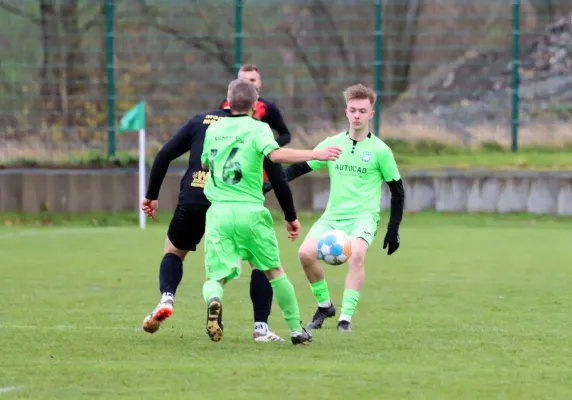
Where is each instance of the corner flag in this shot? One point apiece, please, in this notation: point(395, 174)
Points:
point(134, 120)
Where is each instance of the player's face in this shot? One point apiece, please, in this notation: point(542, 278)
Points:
point(359, 112)
point(251, 76)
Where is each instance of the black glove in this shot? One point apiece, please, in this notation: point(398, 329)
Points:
point(266, 187)
point(391, 241)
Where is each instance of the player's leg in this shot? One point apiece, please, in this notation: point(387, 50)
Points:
point(314, 271)
point(362, 235)
point(222, 264)
point(261, 296)
point(185, 232)
point(257, 239)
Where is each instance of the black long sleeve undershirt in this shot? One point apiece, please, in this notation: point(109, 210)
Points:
point(277, 179)
point(173, 149)
point(397, 203)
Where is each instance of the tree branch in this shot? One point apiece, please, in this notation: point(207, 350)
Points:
point(214, 47)
point(17, 11)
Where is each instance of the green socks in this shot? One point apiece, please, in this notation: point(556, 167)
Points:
point(286, 298)
point(321, 293)
point(212, 289)
point(349, 304)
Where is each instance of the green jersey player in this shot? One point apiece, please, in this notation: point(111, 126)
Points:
point(354, 204)
point(238, 226)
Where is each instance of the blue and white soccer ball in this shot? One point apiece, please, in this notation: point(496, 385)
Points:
point(334, 247)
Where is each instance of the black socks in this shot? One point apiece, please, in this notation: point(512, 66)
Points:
point(170, 273)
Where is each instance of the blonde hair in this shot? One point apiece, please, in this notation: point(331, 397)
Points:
point(360, 92)
point(241, 95)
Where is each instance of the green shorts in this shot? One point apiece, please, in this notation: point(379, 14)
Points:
point(364, 227)
point(237, 232)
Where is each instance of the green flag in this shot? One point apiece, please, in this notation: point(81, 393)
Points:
point(134, 119)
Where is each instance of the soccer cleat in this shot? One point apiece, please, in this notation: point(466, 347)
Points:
point(153, 321)
point(320, 316)
point(301, 337)
point(214, 319)
point(269, 336)
point(344, 326)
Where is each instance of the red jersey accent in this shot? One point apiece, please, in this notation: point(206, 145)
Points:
point(259, 112)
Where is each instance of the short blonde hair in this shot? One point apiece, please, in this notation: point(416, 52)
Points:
point(360, 92)
point(241, 95)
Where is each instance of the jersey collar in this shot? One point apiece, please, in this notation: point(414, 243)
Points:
point(368, 134)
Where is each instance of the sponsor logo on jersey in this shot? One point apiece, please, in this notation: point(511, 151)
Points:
point(211, 119)
point(350, 168)
point(199, 179)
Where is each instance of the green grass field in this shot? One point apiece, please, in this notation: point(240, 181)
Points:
point(470, 307)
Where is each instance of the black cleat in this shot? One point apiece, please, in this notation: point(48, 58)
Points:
point(320, 316)
point(301, 337)
point(344, 326)
point(214, 319)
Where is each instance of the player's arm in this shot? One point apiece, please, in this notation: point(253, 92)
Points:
point(276, 122)
point(391, 176)
point(298, 169)
point(278, 180)
point(316, 158)
point(178, 145)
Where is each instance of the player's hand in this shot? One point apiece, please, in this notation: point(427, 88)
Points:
point(391, 241)
point(149, 207)
point(293, 229)
point(330, 153)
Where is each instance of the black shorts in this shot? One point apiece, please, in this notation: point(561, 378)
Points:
point(187, 226)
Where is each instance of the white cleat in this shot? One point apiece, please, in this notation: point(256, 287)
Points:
point(269, 336)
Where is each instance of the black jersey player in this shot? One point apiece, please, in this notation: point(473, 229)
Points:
point(187, 225)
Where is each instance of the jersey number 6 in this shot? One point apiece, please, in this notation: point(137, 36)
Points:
point(231, 170)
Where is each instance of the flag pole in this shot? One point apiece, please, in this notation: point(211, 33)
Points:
point(142, 134)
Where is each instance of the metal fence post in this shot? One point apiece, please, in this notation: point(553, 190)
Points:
point(237, 36)
point(377, 64)
point(110, 77)
point(515, 119)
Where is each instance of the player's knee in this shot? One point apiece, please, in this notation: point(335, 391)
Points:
point(171, 249)
point(359, 249)
point(307, 254)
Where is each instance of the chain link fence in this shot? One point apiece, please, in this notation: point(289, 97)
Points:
point(454, 71)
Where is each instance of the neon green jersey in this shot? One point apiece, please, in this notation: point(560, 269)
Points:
point(234, 149)
point(357, 175)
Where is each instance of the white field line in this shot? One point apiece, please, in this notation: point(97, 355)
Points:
point(8, 389)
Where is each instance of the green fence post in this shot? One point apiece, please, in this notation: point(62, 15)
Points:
point(237, 36)
point(377, 64)
point(110, 77)
point(515, 119)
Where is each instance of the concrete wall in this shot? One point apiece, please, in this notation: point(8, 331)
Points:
point(116, 190)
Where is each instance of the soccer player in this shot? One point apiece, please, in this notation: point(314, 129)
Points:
point(238, 226)
point(264, 111)
point(260, 290)
point(188, 222)
point(353, 206)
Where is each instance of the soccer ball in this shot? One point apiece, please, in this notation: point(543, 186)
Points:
point(334, 247)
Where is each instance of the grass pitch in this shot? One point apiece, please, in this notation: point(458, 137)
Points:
point(470, 307)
